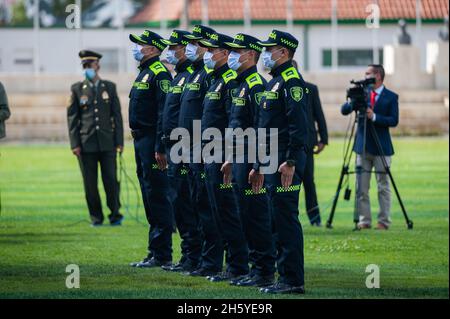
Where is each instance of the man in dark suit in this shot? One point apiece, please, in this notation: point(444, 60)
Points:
point(382, 113)
point(96, 135)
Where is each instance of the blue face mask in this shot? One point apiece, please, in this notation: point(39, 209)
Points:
point(233, 60)
point(137, 54)
point(267, 59)
point(191, 52)
point(90, 74)
point(209, 62)
point(171, 57)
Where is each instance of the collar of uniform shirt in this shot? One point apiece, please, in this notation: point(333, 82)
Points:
point(379, 90)
point(241, 77)
point(182, 66)
point(224, 68)
point(277, 71)
point(147, 63)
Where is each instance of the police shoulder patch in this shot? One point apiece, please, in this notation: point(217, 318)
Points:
point(253, 79)
point(296, 93)
point(164, 85)
point(290, 73)
point(157, 67)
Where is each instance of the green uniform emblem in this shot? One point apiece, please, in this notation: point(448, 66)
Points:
point(164, 85)
point(296, 93)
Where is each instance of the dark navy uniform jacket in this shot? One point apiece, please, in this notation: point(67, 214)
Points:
point(147, 98)
point(193, 94)
point(284, 106)
point(386, 115)
point(173, 99)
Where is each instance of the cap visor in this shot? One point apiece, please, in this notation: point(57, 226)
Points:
point(207, 44)
point(167, 42)
point(267, 43)
point(192, 37)
point(235, 45)
point(136, 39)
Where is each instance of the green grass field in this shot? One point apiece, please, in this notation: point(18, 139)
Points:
point(43, 202)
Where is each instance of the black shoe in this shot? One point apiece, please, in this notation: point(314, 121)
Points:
point(256, 281)
point(282, 288)
point(234, 281)
point(225, 276)
point(153, 262)
point(134, 264)
point(117, 220)
point(96, 224)
point(178, 267)
point(202, 272)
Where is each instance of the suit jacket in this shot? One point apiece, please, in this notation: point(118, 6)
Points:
point(386, 110)
point(4, 110)
point(94, 117)
point(315, 116)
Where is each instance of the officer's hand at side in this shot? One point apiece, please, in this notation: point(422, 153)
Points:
point(287, 173)
point(161, 160)
point(369, 113)
point(257, 180)
point(319, 148)
point(119, 148)
point(226, 170)
point(77, 151)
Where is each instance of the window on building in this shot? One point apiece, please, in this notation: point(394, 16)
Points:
point(23, 60)
point(350, 57)
point(110, 60)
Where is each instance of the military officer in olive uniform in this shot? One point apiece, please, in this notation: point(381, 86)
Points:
point(96, 135)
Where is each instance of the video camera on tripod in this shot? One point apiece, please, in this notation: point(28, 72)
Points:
point(358, 94)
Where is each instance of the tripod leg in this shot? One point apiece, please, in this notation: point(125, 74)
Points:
point(344, 171)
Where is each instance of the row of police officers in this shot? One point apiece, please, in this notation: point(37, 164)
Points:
point(224, 210)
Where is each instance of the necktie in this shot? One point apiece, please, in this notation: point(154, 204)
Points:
point(373, 95)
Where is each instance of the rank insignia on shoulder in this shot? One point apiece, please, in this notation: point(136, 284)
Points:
point(145, 78)
point(296, 93)
point(105, 95)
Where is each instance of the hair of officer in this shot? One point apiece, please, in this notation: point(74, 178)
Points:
point(378, 68)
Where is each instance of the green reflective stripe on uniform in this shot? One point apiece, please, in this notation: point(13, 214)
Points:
point(213, 95)
point(190, 69)
point(208, 70)
point(253, 79)
point(157, 67)
point(290, 73)
point(176, 89)
point(238, 101)
point(269, 95)
point(292, 188)
point(250, 192)
point(229, 75)
point(193, 86)
point(225, 186)
point(141, 86)
point(155, 166)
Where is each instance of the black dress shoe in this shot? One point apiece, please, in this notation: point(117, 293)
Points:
point(96, 224)
point(282, 288)
point(116, 219)
point(178, 267)
point(256, 281)
point(134, 264)
point(202, 272)
point(225, 276)
point(153, 262)
point(234, 281)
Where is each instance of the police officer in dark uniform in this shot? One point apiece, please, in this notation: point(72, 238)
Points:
point(284, 106)
point(185, 216)
point(147, 98)
point(224, 225)
point(191, 109)
point(246, 95)
point(96, 135)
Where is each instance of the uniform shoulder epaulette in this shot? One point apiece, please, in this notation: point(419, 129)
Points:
point(157, 67)
point(229, 75)
point(290, 73)
point(190, 69)
point(208, 71)
point(253, 79)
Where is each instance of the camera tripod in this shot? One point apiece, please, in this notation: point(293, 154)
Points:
point(345, 171)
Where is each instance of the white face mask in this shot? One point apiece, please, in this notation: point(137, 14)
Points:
point(208, 59)
point(171, 56)
point(267, 58)
point(191, 52)
point(137, 54)
point(233, 60)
